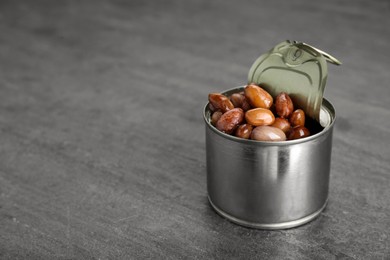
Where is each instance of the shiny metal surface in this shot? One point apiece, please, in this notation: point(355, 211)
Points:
point(269, 185)
point(327, 56)
point(296, 68)
point(270, 226)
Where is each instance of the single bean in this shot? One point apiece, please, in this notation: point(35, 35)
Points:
point(298, 132)
point(259, 116)
point(284, 105)
point(244, 131)
point(215, 117)
point(297, 118)
point(220, 102)
point(230, 120)
point(237, 99)
point(268, 133)
point(258, 97)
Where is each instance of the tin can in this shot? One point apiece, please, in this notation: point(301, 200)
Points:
point(269, 185)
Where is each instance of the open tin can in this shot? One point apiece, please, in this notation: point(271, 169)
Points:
point(269, 185)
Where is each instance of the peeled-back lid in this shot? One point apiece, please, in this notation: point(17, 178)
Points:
point(297, 69)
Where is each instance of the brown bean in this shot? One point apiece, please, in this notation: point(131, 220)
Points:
point(219, 101)
point(283, 105)
point(282, 124)
point(258, 97)
point(215, 117)
point(297, 118)
point(298, 132)
point(244, 131)
point(268, 133)
point(237, 99)
point(259, 116)
point(230, 120)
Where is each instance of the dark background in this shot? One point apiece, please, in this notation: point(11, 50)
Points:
point(102, 145)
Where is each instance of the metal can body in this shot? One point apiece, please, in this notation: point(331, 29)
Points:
point(269, 185)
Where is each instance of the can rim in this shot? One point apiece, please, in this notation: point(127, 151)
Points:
point(326, 106)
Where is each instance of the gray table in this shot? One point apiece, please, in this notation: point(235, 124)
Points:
point(102, 145)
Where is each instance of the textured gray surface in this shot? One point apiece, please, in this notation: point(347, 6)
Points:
point(102, 139)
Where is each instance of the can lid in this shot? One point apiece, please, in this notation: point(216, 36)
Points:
point(296, 68)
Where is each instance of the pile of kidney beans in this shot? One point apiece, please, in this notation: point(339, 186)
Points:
point(254, 114)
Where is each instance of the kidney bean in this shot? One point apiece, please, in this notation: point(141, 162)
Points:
point(258, 97)
point(259, 116)
point(268, 133)
point(220, 101)
point(237, 99)
point(244, 131)
point(230, 120)
point(298, 132)
point(297, 118)
point(215, 117)
point(284, 105)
